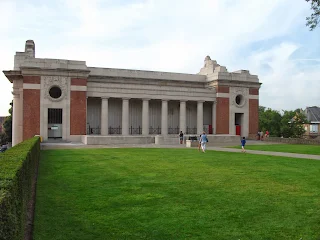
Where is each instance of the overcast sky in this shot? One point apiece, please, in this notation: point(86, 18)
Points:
point(268, 38)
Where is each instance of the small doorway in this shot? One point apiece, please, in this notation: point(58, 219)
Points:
point(238, 122)
point(54, 123)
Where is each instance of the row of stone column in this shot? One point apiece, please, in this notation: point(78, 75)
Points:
point(145, 116)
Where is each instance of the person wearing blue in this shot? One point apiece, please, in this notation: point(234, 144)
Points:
point(203, 140)
point(243, 143)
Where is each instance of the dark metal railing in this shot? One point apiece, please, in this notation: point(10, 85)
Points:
point(156, 130)
point(91, 130)
point(138, 130)
point(115, 130)
point(134, 131)
point(173, 130)
point(191, 130)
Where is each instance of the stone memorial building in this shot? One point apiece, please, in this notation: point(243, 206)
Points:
point(69, 101)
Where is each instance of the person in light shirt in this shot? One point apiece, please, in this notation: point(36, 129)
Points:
point(204, 141)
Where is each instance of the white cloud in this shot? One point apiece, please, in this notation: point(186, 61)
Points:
point(288, 85)
point(167, 36)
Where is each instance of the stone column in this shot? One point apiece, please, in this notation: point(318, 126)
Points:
point(104, 116)
point(183, 118)
point(125, 116)
point(200, 117)
point(16, 111)
point(164, 117)
point(214, 117)
point(145, 116)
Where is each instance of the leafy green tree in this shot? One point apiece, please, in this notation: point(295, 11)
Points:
point(3, 139)
point(313, 20)
point(270, 120)
point(7, 125)
point(292, 124)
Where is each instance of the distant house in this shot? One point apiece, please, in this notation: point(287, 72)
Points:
point(313, 117)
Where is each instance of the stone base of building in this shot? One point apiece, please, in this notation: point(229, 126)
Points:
point(158, 140)
point(223, 138)
point(111, 140)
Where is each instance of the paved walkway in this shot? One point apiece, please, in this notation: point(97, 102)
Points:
point(222, 148)
point(281, 154)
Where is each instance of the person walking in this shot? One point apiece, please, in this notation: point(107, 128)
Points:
point(267, 134)
point(181, 137)
point(243, 143)
point(204, 141)
point(199, 144)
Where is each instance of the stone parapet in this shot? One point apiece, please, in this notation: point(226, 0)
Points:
point(53, 64)
point(128, 73)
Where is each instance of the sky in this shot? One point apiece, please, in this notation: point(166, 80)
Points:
point(268, 38)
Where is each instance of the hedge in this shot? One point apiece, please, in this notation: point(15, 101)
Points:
point(17, 170)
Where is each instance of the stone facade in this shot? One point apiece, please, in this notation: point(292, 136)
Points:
point(68, 100)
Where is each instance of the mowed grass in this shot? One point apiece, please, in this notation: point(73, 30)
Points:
point(175, 194)
point(290, 148)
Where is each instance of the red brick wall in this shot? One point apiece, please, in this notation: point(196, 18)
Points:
point(222, 116)
point(32, 79)
point(222, 89)
point(253, 116)
point(31, 113)
point(79, 81)
point(254, 91)
point(78, 113)
point(78, 108)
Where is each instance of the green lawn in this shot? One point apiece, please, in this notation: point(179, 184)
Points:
point(175, 194)
point(290, 148)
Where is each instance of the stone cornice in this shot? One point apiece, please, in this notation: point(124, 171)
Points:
point(37, 71)
point(238, 76)
point(142, 88)
point(145, 82)
point(234, 83)
point(167, 97)
point(13, 75)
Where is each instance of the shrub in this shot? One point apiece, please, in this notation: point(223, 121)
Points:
point(3, 139)
point(17, 169)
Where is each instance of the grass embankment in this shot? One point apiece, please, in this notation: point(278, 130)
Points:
point(175, 194)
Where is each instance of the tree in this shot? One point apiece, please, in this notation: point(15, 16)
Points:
point(292, 124)
point(7, 125)
point(314, 19)
point(270, 120)
point(3, 138)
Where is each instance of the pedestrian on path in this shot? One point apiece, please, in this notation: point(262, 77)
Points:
point(267, 134)
point(204, 141)
point(199, 144)
point(243, 143)
point(181, 137)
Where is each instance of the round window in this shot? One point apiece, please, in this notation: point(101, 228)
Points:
point(239, 99)
point(55, 92)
